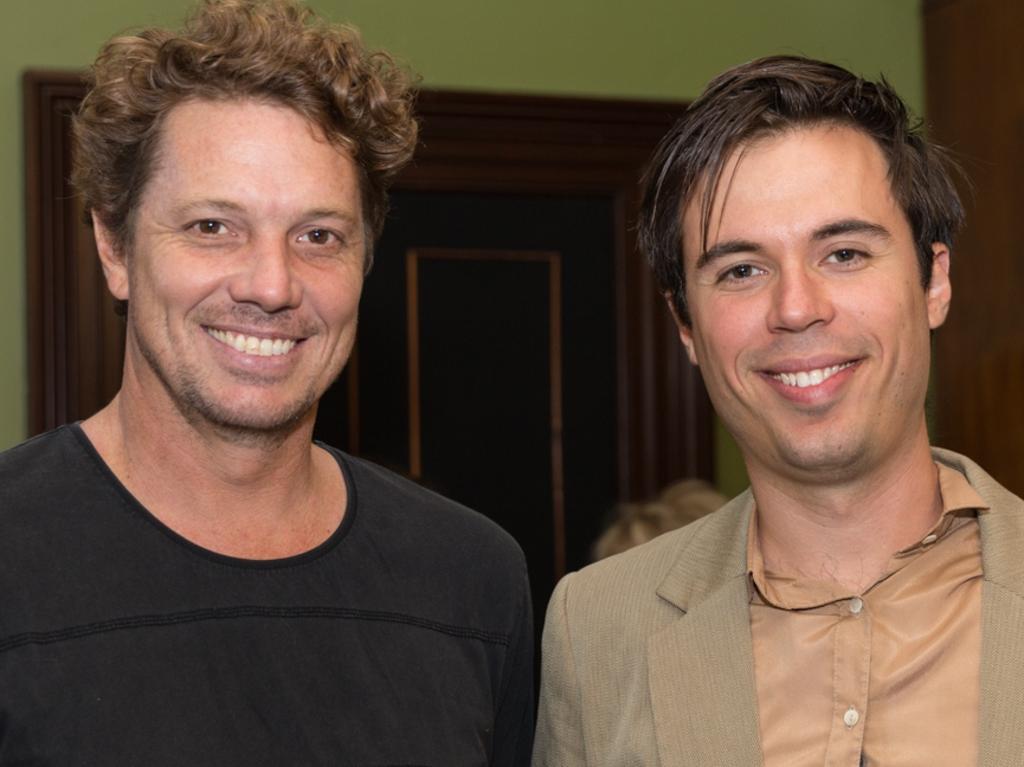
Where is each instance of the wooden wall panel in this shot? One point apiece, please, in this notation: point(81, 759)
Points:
point(975, 106)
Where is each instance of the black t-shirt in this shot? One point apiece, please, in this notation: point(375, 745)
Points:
point(404, 639)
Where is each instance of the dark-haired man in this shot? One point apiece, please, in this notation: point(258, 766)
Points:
point(185, 577)
point(863, 603)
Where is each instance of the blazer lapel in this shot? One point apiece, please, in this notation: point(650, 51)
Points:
point(701, 671)
point(1001, 719)
point(702, 684)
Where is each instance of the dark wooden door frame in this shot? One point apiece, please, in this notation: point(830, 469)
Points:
point(471, 142)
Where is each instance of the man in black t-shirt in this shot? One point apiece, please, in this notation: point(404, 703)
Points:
point(185, 577)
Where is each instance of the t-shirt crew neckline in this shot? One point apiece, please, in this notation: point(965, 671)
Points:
point(134, 507)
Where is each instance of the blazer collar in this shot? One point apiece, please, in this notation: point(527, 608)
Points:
point(712, 556)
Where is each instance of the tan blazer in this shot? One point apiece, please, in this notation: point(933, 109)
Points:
point(647, 656)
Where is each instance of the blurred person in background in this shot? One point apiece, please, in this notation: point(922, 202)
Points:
point(678, 504)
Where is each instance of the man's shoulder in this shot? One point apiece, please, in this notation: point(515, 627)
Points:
point(424, 519)
point(45, 465)
point(437, 559)
point(694, 558)
point(30, 454)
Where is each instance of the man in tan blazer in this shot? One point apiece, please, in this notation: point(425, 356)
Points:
point(862, 603)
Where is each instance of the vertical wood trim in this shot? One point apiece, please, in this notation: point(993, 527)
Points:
point(38, 397)
point(555, 366)
point(55, 354)
point(412, 308)
point(625, 369)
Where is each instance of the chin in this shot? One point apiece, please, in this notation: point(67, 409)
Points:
point(247, 419)
point(825, 460)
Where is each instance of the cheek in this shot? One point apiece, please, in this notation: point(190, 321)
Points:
point(728, 328)
point(716, 354)
point(174, 280)
point(336, 301)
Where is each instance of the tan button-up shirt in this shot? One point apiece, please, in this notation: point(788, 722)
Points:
point(886, 677)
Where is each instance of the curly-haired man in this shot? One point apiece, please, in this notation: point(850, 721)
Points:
point(185, 577)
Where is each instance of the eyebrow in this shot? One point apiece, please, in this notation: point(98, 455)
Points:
point(851, 226)
point(188, 208)
point(726, 248)
point(834, 229)
point(348, 218)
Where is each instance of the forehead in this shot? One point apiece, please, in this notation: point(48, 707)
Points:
point(782, 186)
point(245, 149)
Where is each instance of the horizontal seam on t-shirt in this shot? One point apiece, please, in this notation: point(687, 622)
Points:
point(247, 611)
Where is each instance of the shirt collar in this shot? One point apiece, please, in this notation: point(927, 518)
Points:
point(959, 499)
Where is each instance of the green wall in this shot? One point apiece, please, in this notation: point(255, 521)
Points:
point(662, 49)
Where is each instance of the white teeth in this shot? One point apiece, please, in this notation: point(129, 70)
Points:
point(260, 347)
point(806, 378)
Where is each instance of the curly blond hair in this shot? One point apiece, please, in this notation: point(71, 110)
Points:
point(276, 51)
point(678, 504)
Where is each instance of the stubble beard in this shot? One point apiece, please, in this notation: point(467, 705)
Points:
point(191, 392)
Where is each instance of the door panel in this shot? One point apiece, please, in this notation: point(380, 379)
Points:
point(487, 363)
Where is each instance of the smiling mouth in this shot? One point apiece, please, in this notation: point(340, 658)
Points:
point(257, 346)
point(805, 378)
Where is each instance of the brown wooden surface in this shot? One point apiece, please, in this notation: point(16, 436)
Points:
point(75, 339)
point(975, 66)
point(470, 142)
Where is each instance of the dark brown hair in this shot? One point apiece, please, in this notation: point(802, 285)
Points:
point(769, 96)
point(270, 50)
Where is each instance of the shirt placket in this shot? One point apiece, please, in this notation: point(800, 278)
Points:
point(851, 674)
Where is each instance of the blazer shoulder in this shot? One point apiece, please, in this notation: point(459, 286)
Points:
point(703, 552)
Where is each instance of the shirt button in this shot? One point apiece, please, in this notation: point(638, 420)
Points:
point(929, 539)
point(851, 717)
point(856, 605)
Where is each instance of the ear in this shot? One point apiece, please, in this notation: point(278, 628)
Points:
point(940, 292)
point(685, 330)
point(115, 270)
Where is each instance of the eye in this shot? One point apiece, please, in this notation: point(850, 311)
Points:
point(319, 237)
point(208, 227)
point(846, 257)
point(740, 273)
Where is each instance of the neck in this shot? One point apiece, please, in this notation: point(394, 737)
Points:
point(847, 531)
point(251, 497)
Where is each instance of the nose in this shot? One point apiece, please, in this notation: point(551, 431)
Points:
point(267, 277)
point(799, 301)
